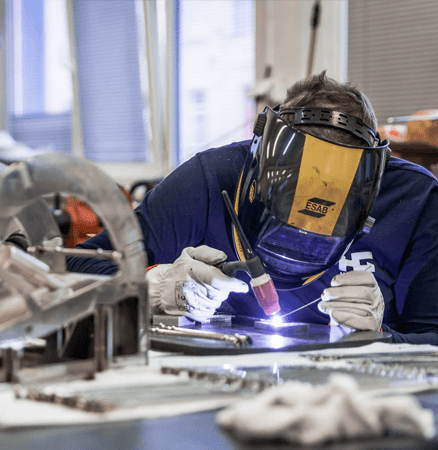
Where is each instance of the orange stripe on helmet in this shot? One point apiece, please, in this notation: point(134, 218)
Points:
point(326, 174)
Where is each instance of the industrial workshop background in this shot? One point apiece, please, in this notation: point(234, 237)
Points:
point(141, 85)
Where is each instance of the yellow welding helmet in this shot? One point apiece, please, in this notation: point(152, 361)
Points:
point(301, 199)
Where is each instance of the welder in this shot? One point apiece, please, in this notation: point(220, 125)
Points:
point(322, 204)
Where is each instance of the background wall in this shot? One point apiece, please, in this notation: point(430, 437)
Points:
point(283, 35)
point(223, 47)
point(3, 113)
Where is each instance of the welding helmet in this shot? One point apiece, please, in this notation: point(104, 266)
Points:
point(302, 200)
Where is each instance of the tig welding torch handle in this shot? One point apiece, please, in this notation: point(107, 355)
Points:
point(231, 268)
point(252, 267)
point(262, 285)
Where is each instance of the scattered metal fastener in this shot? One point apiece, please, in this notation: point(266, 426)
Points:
point(238, 340)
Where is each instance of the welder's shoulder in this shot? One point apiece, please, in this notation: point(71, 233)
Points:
point(408, 168)
point(400, 172)
point(222, 165)
point(232, 155)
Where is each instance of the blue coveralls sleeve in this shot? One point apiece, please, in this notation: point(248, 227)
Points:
point(416, 288)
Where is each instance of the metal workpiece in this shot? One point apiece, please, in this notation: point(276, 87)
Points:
point(396, 370)
point(10, 364)
point(114, 256)
point(282, 329)
point(399, 366)
point(374, 372)
point(38, 296)
point(293, 336)
point(100, 333)
point(419, 366)
point(143, 320)
point(177, 321)
point(227, 381)
point(30, 268)
point(71, 401)
point(238, 340)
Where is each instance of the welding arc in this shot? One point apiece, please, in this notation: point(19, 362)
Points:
point(301, 307)
point(247, 250)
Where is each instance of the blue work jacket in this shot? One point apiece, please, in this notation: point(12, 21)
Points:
point(187, 209)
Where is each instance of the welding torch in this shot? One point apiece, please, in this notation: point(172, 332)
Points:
point(261, 283)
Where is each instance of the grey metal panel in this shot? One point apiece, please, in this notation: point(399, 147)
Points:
point(392, 52)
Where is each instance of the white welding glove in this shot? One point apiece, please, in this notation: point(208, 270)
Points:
point(354, 300)
point(192, 286)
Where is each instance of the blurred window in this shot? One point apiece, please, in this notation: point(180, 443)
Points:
point(112, 102)
point(217, 64)
point(39, 76)
point(216, 67)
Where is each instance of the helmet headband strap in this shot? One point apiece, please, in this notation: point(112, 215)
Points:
point(335, 119)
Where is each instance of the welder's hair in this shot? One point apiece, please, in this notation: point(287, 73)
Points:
point(323, 92)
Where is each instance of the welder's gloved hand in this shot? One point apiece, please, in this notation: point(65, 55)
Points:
point(354, 300)
point(192, 286)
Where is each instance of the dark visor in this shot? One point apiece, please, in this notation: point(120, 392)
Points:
point(302, 200)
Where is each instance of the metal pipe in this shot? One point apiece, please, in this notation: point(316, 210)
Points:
point(31, 268)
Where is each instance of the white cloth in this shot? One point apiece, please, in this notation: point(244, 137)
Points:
point(354, 300)
point(301, 413)
point(192, 286)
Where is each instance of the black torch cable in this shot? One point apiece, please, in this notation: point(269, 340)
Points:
point(247, 250)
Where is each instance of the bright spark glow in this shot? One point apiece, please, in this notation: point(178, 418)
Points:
point(276, 321)
point(276, 341)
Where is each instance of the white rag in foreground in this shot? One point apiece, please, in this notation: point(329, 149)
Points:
point(306, 414)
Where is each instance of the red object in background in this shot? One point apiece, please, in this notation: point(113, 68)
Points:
point(84, 223)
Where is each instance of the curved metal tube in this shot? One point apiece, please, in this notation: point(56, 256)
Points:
point(24, 186)
point(24, 183)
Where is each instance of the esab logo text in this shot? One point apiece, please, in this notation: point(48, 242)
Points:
point(316, 207)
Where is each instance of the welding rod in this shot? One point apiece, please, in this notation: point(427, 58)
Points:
point(262, 285)
point(301, 307)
